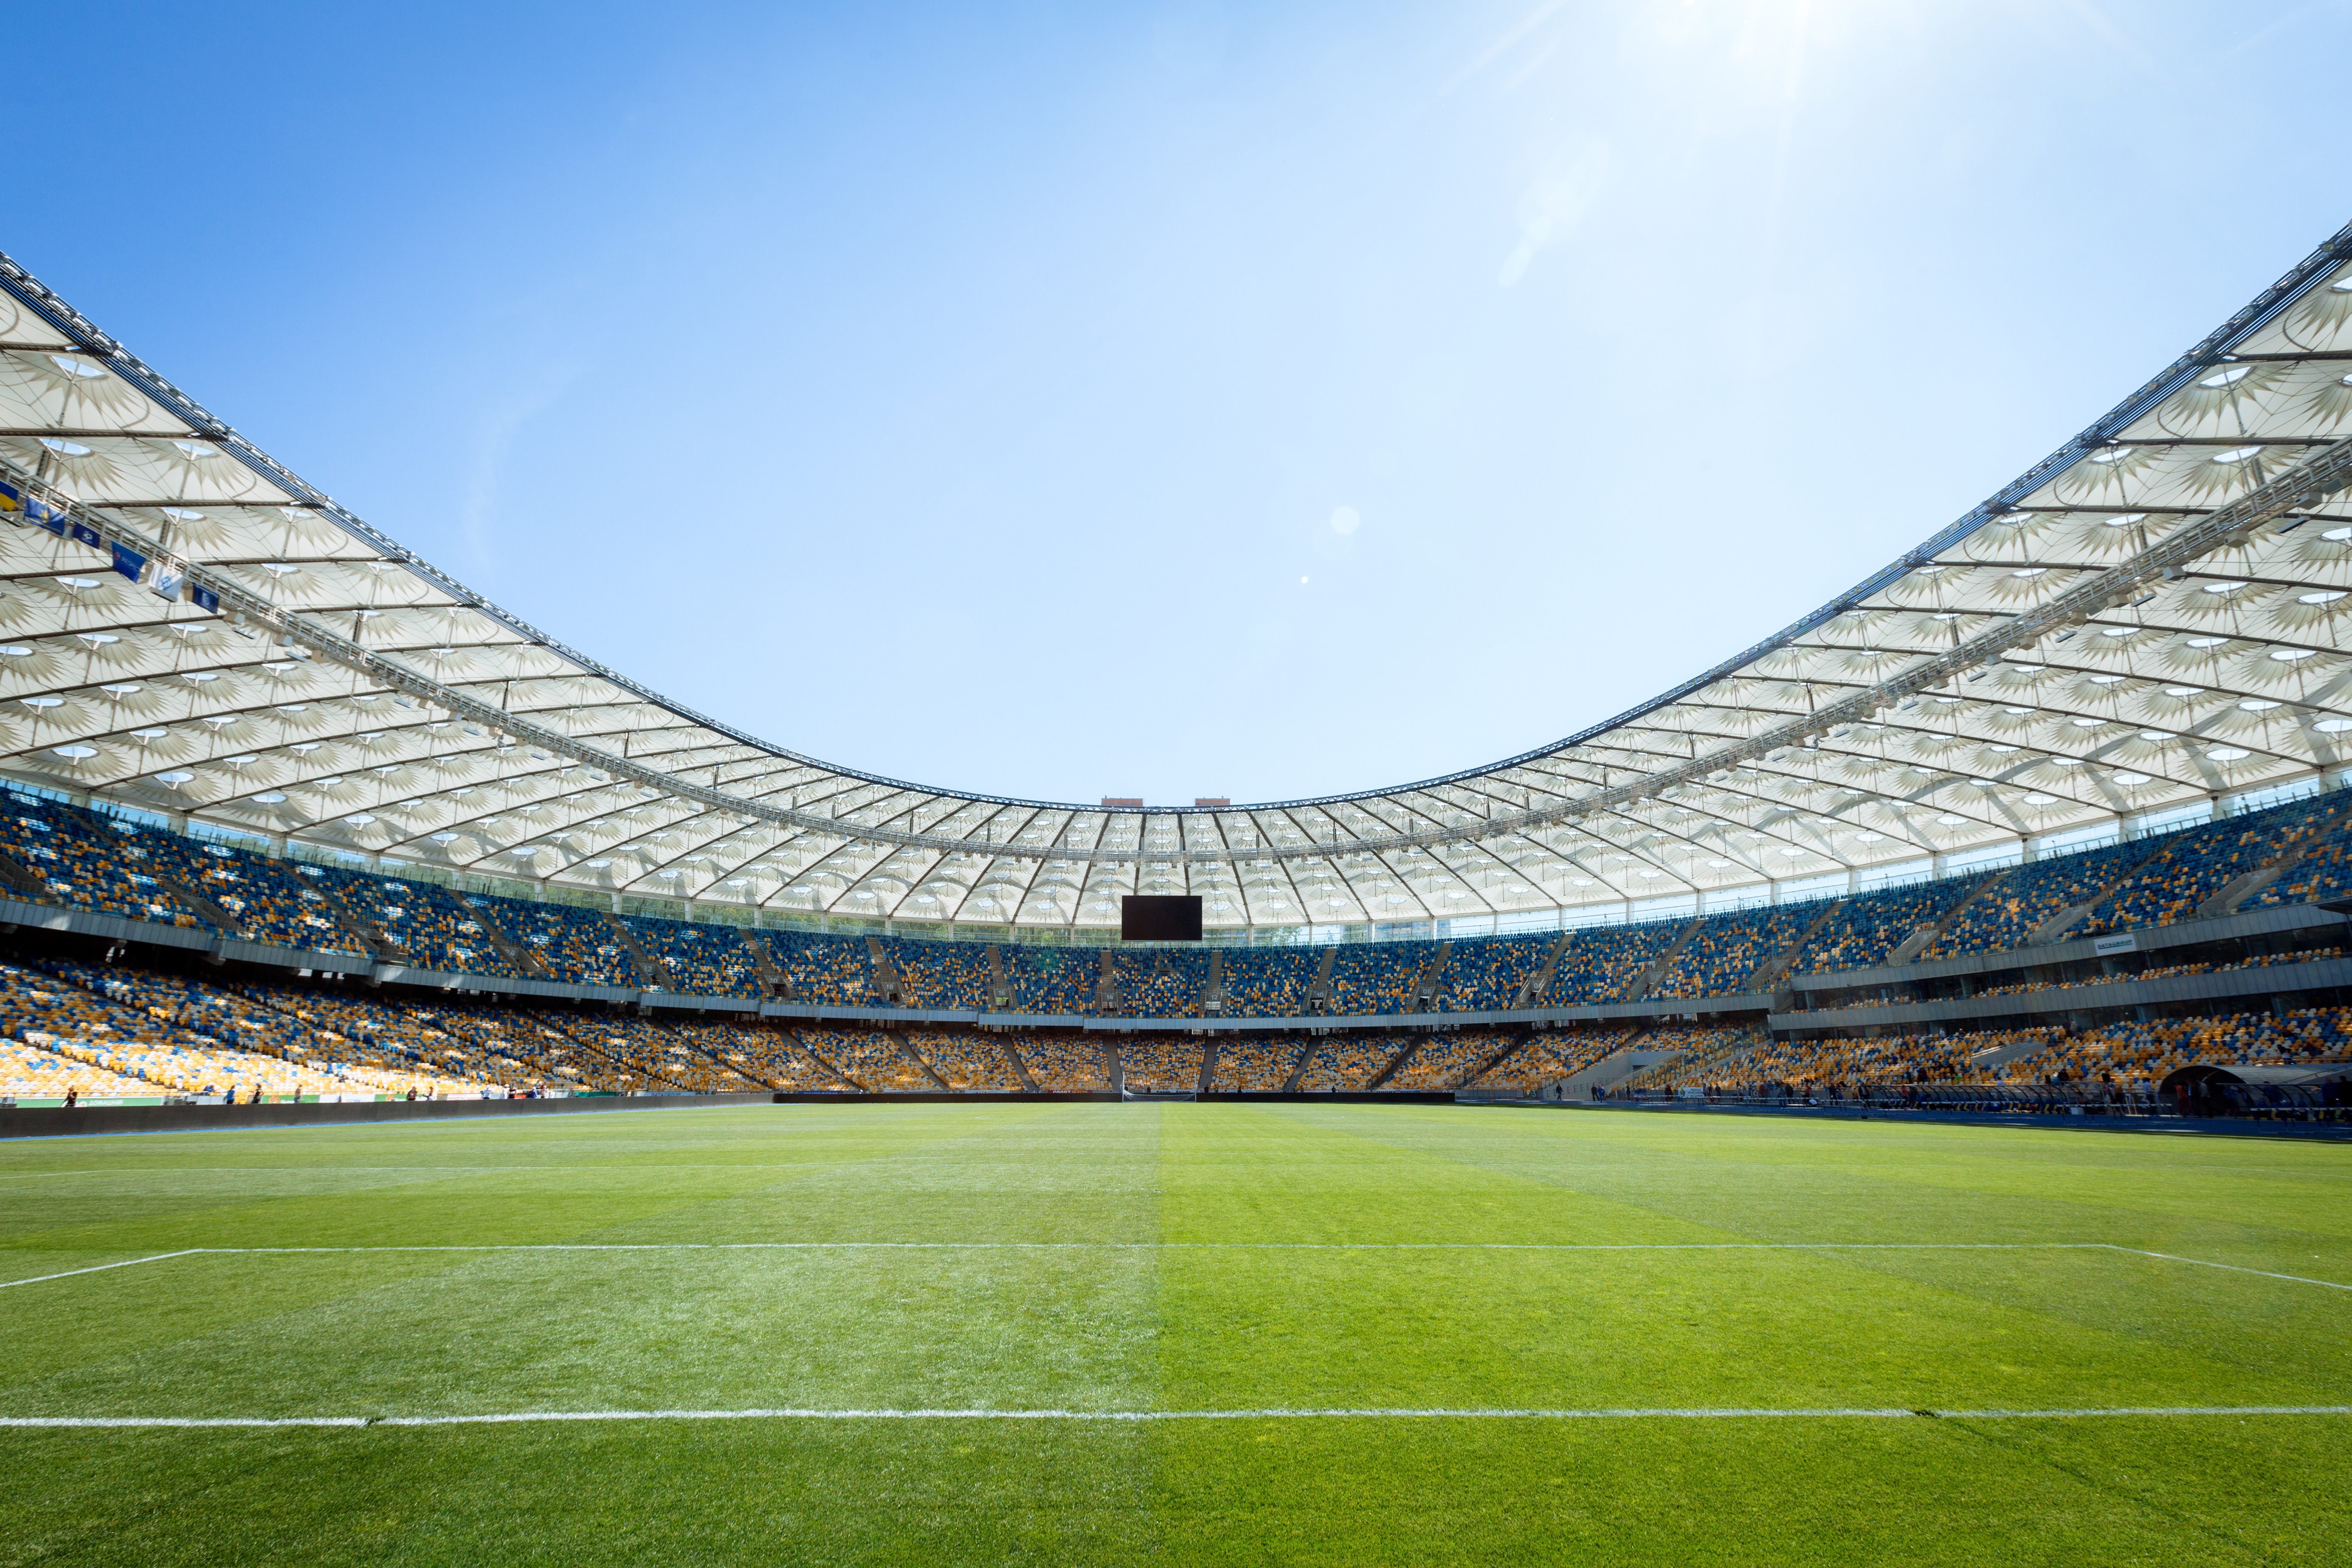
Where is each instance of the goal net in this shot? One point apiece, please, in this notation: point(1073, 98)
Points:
point(1159, 1094)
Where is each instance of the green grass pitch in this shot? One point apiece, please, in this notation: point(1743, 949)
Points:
point(1377, 1287)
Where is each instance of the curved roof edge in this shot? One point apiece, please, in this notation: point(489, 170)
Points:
point(38, 298)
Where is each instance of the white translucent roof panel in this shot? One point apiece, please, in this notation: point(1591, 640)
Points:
point(2149, 616)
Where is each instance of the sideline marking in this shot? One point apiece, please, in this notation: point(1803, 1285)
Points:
point(102, 1267)
point(1209, 1246)
point(2233, 1268)
point(519, 1417)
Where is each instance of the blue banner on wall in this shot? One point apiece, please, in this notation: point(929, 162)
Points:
point(85, 534)
point(205, 599)
point(130, 563)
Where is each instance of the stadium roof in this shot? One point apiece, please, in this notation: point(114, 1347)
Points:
point(2151, 616)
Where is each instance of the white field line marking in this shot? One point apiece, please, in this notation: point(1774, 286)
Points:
point(1208, 1245)
point(102, 1267)
point(2233, 1268)
point(517, 1417)
point(1204, 1245)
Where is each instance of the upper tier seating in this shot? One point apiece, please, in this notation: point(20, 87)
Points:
point(2189, 867)
point(1053, 979)
point(1268, 982)
point(573, 942)
point(946, 975)
point(1601, 963)
point(703, 960)
point(1162, 983)
point(1378, 977)
point(1483, 974)
point(1863, 932)
point(831, 969)
point(1727, 949)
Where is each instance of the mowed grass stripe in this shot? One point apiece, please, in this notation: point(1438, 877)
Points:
point(1076, 1388)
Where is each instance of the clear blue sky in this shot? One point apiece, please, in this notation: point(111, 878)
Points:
point(1169, 400)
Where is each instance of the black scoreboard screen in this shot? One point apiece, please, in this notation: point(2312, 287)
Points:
point(1159, 918)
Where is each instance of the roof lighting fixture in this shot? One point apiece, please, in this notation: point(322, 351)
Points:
point(194, 448)
point(2111, 454)
point(2019, 711)
point(79, 581)
point(2227, 753)
point(2207, 642)
point(16, 650)
point(1719, 864)
point(360, 819)
point(2066, 762)
point(2029, 570)
point(125, 687)
point(2126, 519)
point(152, 732)
point(270, 798)
point(2333, 726)
point(2107, 680)
point(2223, 587)
point(42, 701)
point(79, 369)
point(200, 676)
point(1948, 820)
point(600, 865)
point(2237, 454)
point(2228, 376)
point(75, 753)
point(2257, 705)
point(2117, 631)
point(2339, 535)
point(2001, 749)
point(182, 515)
point(64, 448)
point(2086, 722)
point(2040, 799)
point(2157, 735)
point(2289, 655)
point(2131, 780)
point(2325, 596)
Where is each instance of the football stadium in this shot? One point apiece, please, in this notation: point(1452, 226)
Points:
point(1885, 1098)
